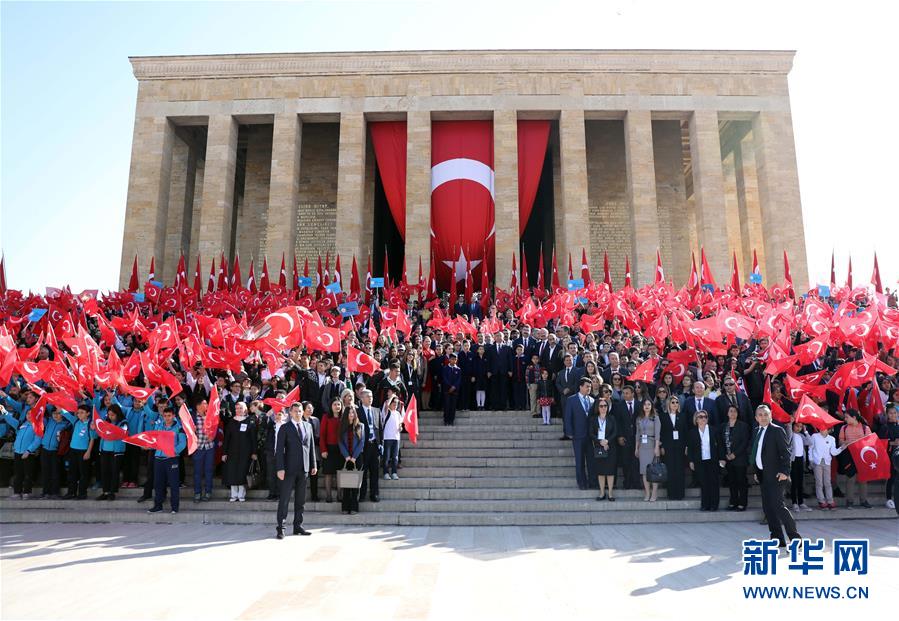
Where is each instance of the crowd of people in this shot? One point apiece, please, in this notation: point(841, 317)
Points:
point(696, 412)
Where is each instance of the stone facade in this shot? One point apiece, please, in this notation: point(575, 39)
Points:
point(285, 160)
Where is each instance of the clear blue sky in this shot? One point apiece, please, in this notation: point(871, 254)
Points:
point(67, 96)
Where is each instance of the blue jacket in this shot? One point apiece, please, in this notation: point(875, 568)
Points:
point(81, 431)
point(452, 377)
point(52, 429)
point(19, 408)
point(137, 419)
point(26, 440)
point(358, 445)
point(576, 421)
point(180, 438)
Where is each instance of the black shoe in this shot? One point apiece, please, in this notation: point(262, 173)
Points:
point(155, 510)
point(143, 498)
point(81, 497)
point(352, 513)
point(313, 499)
point(376, 499)
point(279, 533)
point(610, 499)
point(197, 498)
point(564, 438)
point(271, 497)
point(536, 416)
point(328, 499)
point(68, 496)
point(837, 492)
point(110, 497)
point(603, 497)
point(102, 497)
point(301, 531)
point(865, 504)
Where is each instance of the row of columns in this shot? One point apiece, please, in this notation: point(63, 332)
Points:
point(772, 155)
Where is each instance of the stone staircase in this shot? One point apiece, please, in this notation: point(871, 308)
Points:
point(490, 469)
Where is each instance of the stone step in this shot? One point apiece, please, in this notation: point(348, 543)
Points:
point(370, 518)
point(420, 461)
point(450, 443)
point(550, 434)
point(413, 455)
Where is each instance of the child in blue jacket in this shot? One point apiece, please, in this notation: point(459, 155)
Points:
point(165, 467)
point(79, 454)
point(24, 454)
point(54, 425)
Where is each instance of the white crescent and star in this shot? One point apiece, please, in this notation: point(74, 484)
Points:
point(861, 456)
point(462, 265)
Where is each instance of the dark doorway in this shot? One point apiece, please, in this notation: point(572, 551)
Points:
point(386, 237)
point(540, 229)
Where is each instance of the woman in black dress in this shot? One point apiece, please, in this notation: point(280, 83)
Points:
point(237, 451)
point(674, 445)
point(603, 433)
point(479, 375)
point(733, 436)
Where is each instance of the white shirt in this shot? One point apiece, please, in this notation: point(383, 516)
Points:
point(705, 442)
point(391, 425)
point(758, 457)
point(798, 445)
point(822, 448)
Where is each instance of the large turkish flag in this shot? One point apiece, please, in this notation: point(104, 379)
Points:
point(462, 207)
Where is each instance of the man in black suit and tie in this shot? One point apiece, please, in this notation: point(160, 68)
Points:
point(614, 368)
point(732, 397)
point(371, 452)
point(772, 459)
point(294, 461)
point(625, 413)
point(575, 419)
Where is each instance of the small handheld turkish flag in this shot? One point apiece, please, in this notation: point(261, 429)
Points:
point(108, 431)
point(158, 440)
point(187, 423)
point(410, 419)
point(872, 461)
point(359, 361)
point(319, 338)
point(645, 372)
point(808, 412)
point(211, 424)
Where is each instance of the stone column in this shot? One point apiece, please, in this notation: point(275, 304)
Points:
point(573, 149)
point(505, 187)
point(175, 219)
point(418, 190)
point(748, 204)
point(283, 192)
point(708, 192)
point(149, 183)
point(350, 182)
point(781, 210)
point(732, 214)
point(641, 192)
point(217, 208)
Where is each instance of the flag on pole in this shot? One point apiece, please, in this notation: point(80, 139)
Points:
point(585, 268)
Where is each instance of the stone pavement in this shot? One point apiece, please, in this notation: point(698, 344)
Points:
point(195, 571)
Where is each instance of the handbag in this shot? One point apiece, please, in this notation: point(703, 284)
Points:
point(600, 452)
point(253, 474)
point(349, 478)
point(656, 472)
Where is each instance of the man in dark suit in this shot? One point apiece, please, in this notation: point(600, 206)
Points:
point(501, 370)
point(527, 341)
point(332, 389)
point(625, 412)
point(614, 368)
point(452, 380)
point(567, 382)
point(551, 356)
point(772, 459)
point(734, 397)
point(699, 402)
point(371, 452)
point(575, 419)
point(294, 461)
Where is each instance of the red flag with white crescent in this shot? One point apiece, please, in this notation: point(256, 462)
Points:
point(872, 460)
point(410, 419)
point(107, 430)
point(462, 199)
point(211, 424)
point(360, 362)
point(187, 424)
point(156, 440)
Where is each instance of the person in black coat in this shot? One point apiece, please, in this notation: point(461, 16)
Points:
point(466, 390)
point(675, 426)
point(625, 411)
point(733, 437)
point(478, 374)
point(238, 449)
point(519, 379)
point(452, 379)
point(704, 453)
point(500, 372)
point(770, 450)
point(603, 432)
point(732, 396)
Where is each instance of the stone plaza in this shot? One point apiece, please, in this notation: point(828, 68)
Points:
point(268, 154)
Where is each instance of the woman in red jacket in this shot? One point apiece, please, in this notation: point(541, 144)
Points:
point(327, 442)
